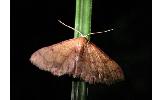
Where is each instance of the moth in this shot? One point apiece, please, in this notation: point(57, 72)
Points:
point(80, 58)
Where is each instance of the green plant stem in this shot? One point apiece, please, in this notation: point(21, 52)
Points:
point(82, 24)
point(83, 17)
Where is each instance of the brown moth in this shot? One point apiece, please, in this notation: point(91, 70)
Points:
point(78, 57)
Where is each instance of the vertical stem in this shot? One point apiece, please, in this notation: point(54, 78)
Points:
point(82, 24)
point(83, 17)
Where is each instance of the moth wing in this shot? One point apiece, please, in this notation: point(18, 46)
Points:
point(97, 67)
point(58, 58)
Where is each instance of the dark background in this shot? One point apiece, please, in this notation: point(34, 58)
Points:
point(34, 25)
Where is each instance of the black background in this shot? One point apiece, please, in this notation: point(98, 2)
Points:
point(34, 25)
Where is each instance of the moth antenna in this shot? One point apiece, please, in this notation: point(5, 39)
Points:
point(81, 33)
point(103, 31)
point(100, 32)
point(71, 28)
